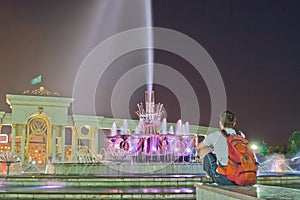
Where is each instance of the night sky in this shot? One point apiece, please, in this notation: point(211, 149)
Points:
point(254, 44)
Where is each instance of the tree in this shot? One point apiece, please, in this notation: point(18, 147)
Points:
point(271, 150)
point(294, 143)
point(264, 149)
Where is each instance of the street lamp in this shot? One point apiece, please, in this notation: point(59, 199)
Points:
point(254, 147)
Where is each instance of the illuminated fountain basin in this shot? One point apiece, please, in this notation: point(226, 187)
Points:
point(150, 145)
point(278, 165)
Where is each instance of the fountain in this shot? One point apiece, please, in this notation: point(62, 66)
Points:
point(8, 158)
point(150, 141)
point(276, 164)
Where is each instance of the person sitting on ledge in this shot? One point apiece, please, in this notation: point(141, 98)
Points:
point(213, 149)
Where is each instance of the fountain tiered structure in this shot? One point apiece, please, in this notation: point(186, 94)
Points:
point(151, 117)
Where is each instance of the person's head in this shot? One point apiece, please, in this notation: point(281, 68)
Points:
point(227, 120)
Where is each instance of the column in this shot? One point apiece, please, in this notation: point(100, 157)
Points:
point(92, 140)
point(102, 141)
point(54, 143)
point(1, 128)
point(63, 141)
point(74, 143)
point(13, 137)
point(96, 140)
point(23, 139)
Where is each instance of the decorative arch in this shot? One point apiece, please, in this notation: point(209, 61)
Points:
point(38, 131)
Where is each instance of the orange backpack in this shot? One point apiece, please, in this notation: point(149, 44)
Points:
point(242, 166)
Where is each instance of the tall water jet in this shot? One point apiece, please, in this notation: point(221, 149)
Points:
point(150, 59)
point(179, 127)
point(114, 129)
point(187, 128)
point(171, 130)
point(124, 128)
point(164, 126)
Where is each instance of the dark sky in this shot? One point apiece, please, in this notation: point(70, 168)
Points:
point(254, 44)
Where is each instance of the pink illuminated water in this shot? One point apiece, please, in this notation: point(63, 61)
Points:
point(150, 58)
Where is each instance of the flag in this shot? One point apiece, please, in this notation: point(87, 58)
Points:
point(36, 80)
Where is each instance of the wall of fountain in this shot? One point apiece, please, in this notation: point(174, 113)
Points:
point(163, 146)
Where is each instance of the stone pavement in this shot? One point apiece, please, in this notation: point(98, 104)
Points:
point(212, 192)
point(143, 187)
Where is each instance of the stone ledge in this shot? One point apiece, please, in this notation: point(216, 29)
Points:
point(210, 191)
point(105, 181)
point(98, 193)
